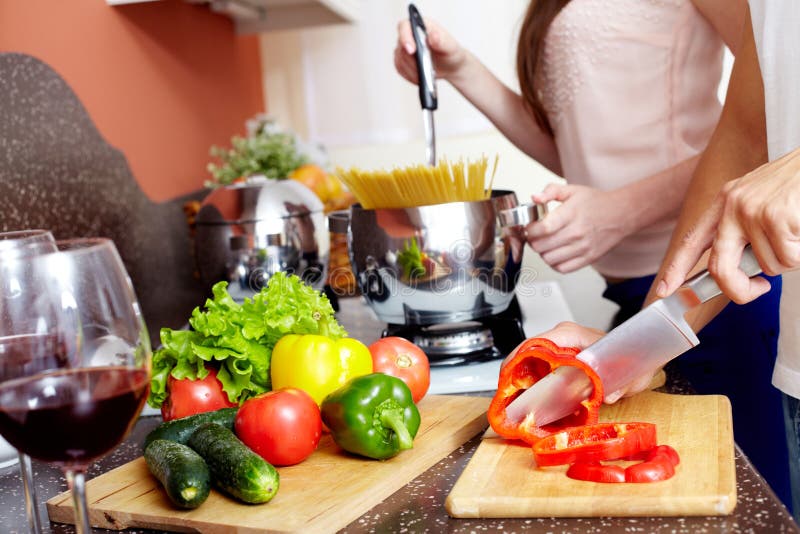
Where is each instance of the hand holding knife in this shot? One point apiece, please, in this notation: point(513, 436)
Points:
point(641, 345)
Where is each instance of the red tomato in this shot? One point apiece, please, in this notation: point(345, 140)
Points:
point(399, 357)
point(282, 426)
point(188, 397)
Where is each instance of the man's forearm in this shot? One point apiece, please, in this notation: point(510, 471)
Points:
point(737, 147)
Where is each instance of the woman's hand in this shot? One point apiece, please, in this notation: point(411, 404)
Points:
point(569, 334)
point(583, 228)
point(446, 53)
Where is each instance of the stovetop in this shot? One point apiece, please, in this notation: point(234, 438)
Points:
point(542, 306)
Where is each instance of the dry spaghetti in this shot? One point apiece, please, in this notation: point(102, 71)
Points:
point(420, 185)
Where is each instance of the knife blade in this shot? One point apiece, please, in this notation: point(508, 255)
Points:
point(642, 344)
point(427, 81)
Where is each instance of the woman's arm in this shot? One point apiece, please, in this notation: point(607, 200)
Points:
point(502, 106)
point(589, 222)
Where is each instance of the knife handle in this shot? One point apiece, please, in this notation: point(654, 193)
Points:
point(705, 287)
point(427, 76)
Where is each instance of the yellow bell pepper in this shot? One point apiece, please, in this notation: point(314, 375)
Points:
point(317, 364)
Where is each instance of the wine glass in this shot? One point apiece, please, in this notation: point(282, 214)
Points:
point(12, 245)
point(75, 358)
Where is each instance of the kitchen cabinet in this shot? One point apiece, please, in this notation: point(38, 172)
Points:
point(254, 16)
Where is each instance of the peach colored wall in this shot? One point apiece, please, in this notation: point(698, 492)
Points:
point(163, 81)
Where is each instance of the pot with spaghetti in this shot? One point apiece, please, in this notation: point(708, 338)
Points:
point(425, 243)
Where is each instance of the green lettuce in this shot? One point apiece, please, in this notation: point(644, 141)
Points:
point(237, 339)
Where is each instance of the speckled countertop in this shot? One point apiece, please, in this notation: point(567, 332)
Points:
point(419, 506)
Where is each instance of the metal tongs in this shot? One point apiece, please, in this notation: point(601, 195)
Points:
point(427, 81)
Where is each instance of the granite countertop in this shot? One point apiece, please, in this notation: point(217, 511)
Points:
point(419, 506)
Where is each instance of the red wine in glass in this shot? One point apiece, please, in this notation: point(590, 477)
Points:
point(55, 417)
point(28, 354)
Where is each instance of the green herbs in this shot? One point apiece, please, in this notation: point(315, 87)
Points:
point(238, 338)
point(272, 154)
point(410, 259)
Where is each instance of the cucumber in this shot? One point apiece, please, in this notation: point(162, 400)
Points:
point(235, 468)
point(179, 430)
point(183, 473)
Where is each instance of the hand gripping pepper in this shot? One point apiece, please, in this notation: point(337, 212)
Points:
point(372, 415)
point(532, 360)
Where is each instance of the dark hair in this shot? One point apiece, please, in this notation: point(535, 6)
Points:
point(530, 46)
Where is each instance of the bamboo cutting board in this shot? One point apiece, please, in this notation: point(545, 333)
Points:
point(501, 481)
point(326, 492)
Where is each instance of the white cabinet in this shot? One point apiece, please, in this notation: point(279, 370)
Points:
point(252, 16)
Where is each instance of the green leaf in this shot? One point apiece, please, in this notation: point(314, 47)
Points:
point(237, 339)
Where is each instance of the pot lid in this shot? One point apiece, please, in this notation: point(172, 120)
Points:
point(257, 201)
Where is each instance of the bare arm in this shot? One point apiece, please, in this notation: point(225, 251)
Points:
point(737, 146)
point(502, 106)
point(589, 222)
point(727, 17)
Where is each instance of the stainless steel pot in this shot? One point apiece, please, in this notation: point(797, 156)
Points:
point(436, 264)
point(248, 232)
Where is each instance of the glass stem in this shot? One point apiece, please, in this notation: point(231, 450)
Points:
point(29, 489)
point(76, 480)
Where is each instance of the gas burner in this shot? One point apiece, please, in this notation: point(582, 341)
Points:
point(476, 341)
point(452, 339)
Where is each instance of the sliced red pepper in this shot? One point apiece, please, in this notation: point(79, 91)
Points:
point(592, 443)
point(532, 360)
point(648, 454)
point(657, 464)
point(596, 472)
point(659, 468)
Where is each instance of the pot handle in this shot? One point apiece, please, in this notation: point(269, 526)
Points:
point(339, 221)
point(521, 215)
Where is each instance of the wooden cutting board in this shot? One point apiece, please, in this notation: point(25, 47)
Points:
point(501, 481)
point(325, 493)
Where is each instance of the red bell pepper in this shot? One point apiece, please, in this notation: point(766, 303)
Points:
point(534, 359)
point(592, 443)
point(657, 463)
point(596, 472)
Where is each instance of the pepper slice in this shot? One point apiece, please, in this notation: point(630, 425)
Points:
point(592, 443)
point(657, 464)
point(596, 472)
point(532, 360)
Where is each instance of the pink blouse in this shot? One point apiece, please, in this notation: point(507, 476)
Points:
point(630, 88)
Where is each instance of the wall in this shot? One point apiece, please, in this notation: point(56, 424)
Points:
point(163, 81)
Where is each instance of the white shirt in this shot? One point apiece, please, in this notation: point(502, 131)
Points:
point(775, 27)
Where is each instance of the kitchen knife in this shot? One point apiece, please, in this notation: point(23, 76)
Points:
point(427, 81)
point(637, 347)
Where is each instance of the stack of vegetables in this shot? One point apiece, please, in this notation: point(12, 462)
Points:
point(249, 388)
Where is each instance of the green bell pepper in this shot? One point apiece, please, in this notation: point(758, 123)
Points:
point(372, 415)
